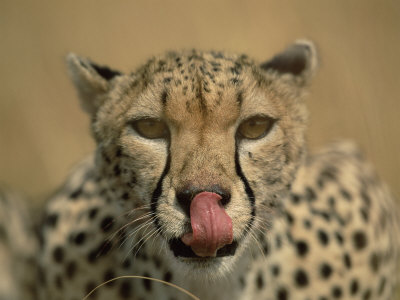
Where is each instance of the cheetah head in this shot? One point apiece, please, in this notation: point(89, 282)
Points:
point(205, 142)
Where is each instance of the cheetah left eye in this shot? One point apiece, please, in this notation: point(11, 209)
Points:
point(151, 128)
point(255, 128)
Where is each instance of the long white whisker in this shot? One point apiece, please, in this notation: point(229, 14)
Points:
point(130, 223)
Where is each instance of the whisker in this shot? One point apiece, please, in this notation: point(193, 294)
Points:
point(147, 224)
point(142, 277)
point(149, 235)
point(130, 223)
point(137, 229)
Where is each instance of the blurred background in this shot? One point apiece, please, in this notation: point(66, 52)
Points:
point(43, 131)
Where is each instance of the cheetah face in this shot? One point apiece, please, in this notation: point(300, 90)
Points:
point(206, 143)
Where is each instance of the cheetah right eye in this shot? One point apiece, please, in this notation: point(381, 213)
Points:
point(151, 128)
point(255, 127)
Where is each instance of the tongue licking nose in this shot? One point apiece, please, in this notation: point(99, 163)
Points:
point(211, 225)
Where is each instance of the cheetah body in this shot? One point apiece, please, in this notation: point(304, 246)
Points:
point(304, 226)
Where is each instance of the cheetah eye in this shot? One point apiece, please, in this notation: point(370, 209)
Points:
point(255, 127)
point(151, 128)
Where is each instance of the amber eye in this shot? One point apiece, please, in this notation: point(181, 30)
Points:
point(151, 128)
point(255, 127)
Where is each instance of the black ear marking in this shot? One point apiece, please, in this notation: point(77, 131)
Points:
point(292, 61)
point(105, 71)
point(91, 80)
point(297, 59)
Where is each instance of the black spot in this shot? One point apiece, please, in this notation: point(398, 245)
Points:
point(125, 290)
point(58, 282)
point(242, 282)
point(359, 240)
point(167, 79)
point(121, 237)
point(295, 198)
point(325, 215)
point(102, 250)
point(164, 96)
point(126, 264)
point(337, 292)
point(374, 262)
point(157, 262)
point(282, 294)
point(58, 254)
point(339, 238)
point(51, 220)
point(278, 241)
point(3, 234)
point(41, 276)
point(346, 195)
point(366, 199)
point(367, 295)
point(235, 81)
point(347, 260)
point(259, 281)
point(168, 276)
point(117, 170)
point(289, 237)
point(239, 98)
point(70, 269)
point(323, 237)
point(310, 194)
point(275, 270)
point(107, 224)
point(90, 286)
point(75, 194)
point(301, 278)
point(326, 271)
point(125, 196)
point(331, 201)
point(266, 249)
point(382, 285)
point(354, 287)
point(289, 218)
point(146, 282)
point(93, 212)
point(329, 173)
point(80, 238)
point(364, 215)
point(118, 153)
point(108, 275)
point(302, 248)
point(307, 224)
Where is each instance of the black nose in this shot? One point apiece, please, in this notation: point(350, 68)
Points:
point(185, 195)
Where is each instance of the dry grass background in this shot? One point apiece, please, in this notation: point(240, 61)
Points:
point(43, 131)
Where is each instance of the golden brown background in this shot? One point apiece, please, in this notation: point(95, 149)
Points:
point(43, 131)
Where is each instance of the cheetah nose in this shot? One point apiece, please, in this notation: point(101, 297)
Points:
point(211, 225)
point(185, 196)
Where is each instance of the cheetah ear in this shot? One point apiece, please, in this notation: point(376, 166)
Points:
point(299, 60)
point(91, 80)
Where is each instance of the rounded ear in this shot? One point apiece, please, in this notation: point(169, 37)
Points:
point(298, 60)
point(91, 81)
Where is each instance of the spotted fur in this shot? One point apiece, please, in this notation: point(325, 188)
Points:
point(305, 226)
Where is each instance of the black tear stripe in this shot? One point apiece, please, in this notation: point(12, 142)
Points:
point(158, 190)
point(164, 97)
point(247, 188)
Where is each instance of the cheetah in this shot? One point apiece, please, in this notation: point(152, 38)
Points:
point(201, 178)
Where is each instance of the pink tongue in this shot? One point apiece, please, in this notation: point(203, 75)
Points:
point(211, 225)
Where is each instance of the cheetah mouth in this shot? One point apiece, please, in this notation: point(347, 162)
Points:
point(181, 250)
